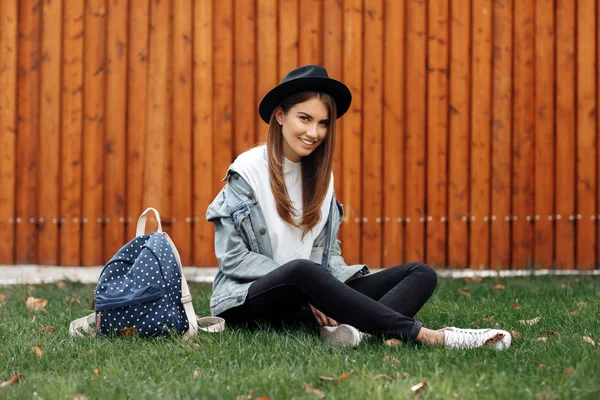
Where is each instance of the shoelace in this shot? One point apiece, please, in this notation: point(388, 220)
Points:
point(469, 337)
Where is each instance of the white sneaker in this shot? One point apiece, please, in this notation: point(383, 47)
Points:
point(470, 338)
point(342, 335)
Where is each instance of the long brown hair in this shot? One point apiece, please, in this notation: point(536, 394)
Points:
point(316, 167)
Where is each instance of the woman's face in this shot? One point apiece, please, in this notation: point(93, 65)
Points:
point(304, 128)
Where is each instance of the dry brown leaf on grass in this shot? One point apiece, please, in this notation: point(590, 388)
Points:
point(393, 342)
point(532, 321)
point(96, 372)
point(2, 298)
point(37, 351)
point(474, 279)
point(262, 398)
point(589, 340)
point(79, 396)
point(308, 388)
point(575, 313)
point(61, 284)
point(72, 300)
point(464, 294)
point(45, 329)
point(339, 379)
point(516, 306)
point(245, 396)
point(418, 387)
point(494, 339)
point(569, 371)
point(380, 376)
point(36, 304)
point(540, 367)
point(499, 287)
point(390, 358)
point(127, 333)
point(551, 333)
point(93, 351)
point(197, 373)
point(542, 339)
point(13, 379)
point(515, 335)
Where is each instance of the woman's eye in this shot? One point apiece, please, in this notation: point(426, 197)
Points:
point(325, 124)
point(304, 118)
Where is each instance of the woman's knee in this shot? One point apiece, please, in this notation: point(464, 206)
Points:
point(301, 268)
point(427, 275)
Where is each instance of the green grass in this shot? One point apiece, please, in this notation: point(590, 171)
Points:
point(277, 363)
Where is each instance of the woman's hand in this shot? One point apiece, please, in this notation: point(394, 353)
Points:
point(322, 319)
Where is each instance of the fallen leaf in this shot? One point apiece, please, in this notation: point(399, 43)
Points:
point(418, 387)
point(532, 321)
point(575, 313)
point(126, 333)
point(393, 342)
point(308, 388)
point(79, 396)
point(568, 372)
point(36, 304)
point(550, 332)
point(379, 376)
point(463, 293)
point(494, 339)
point(197, 373)
point(96, 371)
point(2, 298)
point(541, 367)
point(499, 287)
point(245, 396)
point(474, 279)
point(515, 335)
point(13, 379)
point(404, 375)
point(340, 378)
point(61, 284)
point(488, 319)
point(33, 320)
point(37, 351)
point(93, 351)
point(390, 358)
point(545, 395)
point(46, 329)
point(589, 340)
point(516, 306)
point(582, 303)
point(72, 300)
point(542, 339)
point(262, 398)
point(567, 285)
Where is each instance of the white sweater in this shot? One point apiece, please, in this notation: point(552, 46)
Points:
point(286, 239)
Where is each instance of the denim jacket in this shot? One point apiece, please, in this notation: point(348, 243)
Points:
point(243, 246)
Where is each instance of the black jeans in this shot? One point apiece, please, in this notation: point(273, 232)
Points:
point(382, 303)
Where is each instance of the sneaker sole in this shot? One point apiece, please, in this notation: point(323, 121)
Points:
point(342, 336)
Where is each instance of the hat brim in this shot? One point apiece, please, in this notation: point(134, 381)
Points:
point(336, 89)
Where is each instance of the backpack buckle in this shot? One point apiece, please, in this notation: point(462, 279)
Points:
point(186, 299)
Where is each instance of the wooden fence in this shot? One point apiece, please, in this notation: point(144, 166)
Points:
point(472, 140)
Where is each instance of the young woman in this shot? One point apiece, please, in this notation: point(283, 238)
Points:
point(276, 224)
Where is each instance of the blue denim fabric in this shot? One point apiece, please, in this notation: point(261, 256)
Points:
point(243, 246)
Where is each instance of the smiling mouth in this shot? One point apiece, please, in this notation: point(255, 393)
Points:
point(307, 142)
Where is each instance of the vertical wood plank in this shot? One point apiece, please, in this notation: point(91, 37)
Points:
point(523, 134)
point(310, 38)
point(352, 132)
point(30, 13)
point(137, 103)
point(393, 132)
point(543, 254)
point(481, 63)
point(167, 192)
point(565, 134)
point(460, 83)
point(372, 140)
point(8, 127)
point(437, 134)
point(416, 112)
point(501, 133)
point(333, 38)
point(288, 36)
point(155, 189)
point(182, 128)
point(72, 133)
point(93, 131)
point(244, 74)
point(223, 91)
point(48, 195)
point(116, 125)
point(204, 183)
point(267, 76)
point(586, 135)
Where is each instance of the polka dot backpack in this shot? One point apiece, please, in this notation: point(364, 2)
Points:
point(142, 291)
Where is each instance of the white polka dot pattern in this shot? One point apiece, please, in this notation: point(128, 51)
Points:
point(140, 288)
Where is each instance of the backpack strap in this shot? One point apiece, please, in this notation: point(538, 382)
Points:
point(217, 323)
point(141, 225)
point(83, 324)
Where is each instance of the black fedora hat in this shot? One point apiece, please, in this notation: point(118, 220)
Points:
point(307, 78)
